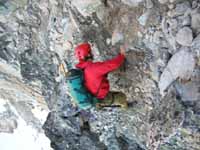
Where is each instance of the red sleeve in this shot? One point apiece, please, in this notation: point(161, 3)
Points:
point(110, 65)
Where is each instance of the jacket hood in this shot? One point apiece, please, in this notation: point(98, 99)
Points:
point(83, 64)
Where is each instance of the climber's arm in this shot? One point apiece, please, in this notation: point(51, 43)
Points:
point(110, 65)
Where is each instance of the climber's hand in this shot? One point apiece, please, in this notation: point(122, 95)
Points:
point(123, 50)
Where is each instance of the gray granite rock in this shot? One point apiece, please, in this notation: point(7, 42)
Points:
point(186, 21)
point(196, 42)
point(163, 1)
point(132, 3)
point(181, 65)
point(67, 133)
point(168, 32)
point(196, 22)
point(117, 37)
point(149, 4)
point(181, 8)
point(184, 36)
point(144, 17)
point(86, 7)
point(38, 36)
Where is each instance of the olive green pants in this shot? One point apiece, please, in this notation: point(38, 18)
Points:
point(113, 99)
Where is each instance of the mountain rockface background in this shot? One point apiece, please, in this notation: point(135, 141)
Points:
point(161, 76)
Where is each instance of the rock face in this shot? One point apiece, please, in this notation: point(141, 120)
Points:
point(23, 111)
point(160, 76)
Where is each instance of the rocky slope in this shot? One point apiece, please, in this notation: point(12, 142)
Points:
point(161, 77)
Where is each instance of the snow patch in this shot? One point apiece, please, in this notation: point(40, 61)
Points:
point(25, 137)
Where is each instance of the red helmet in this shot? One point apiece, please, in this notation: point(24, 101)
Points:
point(82, 51)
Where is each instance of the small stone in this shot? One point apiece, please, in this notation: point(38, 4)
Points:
point(184, 36)
point(155, 73)
point(172, 1)
point(157, 37)
point(102, 13)
point(172, 41)
point(149, 4)
point(86, 7)
point(165, 56)
point(196, 43)
point(137, 90)
point(194, 4)
point(140, 35)
point(143, 19)
point(173, 23)
point(117, 37)
point(108, 41)
point(171, 6)
point(147, 37)
point(188, 12)
point(189, 91)
point(170, 13)
point(166, 30)
point(163, 1)
point(132, 3)
point(3, 19)
point(186, 21)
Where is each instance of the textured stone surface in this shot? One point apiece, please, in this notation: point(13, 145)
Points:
point(132, 3)
point(181, 8)
point(163, 1)
point(196, 22)
point(149, 4)
point(22, 113)
point(195, 48)
point(184, 36)
point(36, 36)
point(181, 65)
point(86, 7)
point(143, 19)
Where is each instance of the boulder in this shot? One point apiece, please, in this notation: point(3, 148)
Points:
point(189, 91)
point(184, 36)
point(181, 65)
point(196, 22)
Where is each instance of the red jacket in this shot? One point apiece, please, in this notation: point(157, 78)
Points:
point(95, 75)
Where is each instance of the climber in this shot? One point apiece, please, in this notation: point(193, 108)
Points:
point(95, 75)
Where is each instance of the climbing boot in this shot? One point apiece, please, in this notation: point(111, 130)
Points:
point(113, 99)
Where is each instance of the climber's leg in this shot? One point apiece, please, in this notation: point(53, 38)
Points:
point(114, 99)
